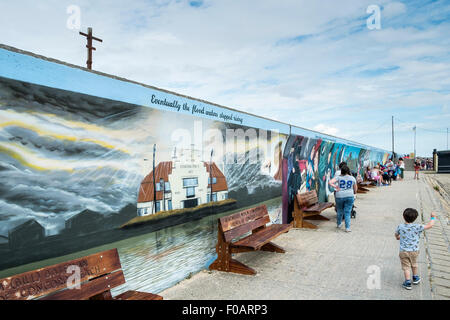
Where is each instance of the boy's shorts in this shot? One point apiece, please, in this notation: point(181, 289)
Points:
point(408, 259)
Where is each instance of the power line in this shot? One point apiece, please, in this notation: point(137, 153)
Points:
point(422, 128)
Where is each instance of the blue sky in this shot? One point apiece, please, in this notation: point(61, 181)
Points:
point(310, 63)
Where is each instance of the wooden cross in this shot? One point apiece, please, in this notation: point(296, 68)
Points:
point(89, 46)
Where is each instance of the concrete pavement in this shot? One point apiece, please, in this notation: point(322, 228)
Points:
point(435, 195)
point(328, 263)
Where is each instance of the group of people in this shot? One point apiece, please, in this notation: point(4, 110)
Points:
point(384, 174)
point(407, 233)
point(345, 185)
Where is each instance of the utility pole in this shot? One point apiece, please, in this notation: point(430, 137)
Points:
point(89, 46)
point(210, 177)
point(154, 182)
point(393, 153)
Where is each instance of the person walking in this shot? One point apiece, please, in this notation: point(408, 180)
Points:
point(346, 188)
point(401, 165)
point(416, 170)
point(409, 235)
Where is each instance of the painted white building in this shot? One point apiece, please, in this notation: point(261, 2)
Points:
point(181, 183)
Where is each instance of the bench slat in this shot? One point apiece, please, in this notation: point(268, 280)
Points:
point(137, 295)
point(90, 288)
point(36, 283)
point(318, 207)
point(243, 229)
point(257, 240)
point(307, 199)
point(243, 217)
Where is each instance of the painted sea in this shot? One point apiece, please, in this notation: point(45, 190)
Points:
point(158, 260)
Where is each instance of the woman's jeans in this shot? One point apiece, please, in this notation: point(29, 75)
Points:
point(344, 209)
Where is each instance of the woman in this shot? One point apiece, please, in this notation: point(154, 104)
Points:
point(346, 188)
point(376, 175)
point(416, 170)
point(401, 165)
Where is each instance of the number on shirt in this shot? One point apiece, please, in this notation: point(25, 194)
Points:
point(345, 185)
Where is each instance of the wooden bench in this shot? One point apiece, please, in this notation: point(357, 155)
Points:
point(253, 220)
point(308, 207)
point(98, 274)
point(363, 187)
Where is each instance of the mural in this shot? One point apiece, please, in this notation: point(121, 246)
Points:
point(89, 162)
point(309, 164)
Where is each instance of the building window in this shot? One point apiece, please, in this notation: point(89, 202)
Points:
point(167, 186)
point(190, 182)
point(158, 206)
point(214, 180)
point(214, 197)
point(190, 192)
point(169, 204)
point(158, 186)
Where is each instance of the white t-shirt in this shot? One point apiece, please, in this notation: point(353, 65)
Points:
point(338, 173)
point(345, 184)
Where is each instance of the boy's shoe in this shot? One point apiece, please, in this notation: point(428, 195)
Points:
point(407, 285)
point(339, 226)
point(348, 230)
point(416, 280)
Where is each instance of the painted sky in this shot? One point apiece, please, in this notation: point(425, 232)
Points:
point(314, 64)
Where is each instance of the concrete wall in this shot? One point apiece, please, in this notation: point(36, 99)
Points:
point(75, 146)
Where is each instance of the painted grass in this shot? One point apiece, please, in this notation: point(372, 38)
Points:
point(164, 214)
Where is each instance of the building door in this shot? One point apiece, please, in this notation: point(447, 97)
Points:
point(191, 203)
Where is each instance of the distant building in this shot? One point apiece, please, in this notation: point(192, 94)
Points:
point(84, 222)
point(26, 234)
point(181, 183)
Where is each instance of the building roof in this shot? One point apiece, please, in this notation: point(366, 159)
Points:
point(26, 225)
point(162, 170)
point(221, 184)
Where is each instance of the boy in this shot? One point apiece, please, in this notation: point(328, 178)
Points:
point(409, 235)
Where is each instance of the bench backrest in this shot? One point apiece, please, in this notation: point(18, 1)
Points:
point(307, 199)
point(53, 280)
point(240, 223)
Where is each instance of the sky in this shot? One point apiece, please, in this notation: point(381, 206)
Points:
point(331, 66)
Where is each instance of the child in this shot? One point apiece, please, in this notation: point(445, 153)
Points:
point(409, 235)
point(416, 170)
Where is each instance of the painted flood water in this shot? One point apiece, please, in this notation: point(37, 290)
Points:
point(158, 260)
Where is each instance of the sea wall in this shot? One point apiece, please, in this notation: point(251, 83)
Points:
point(78, 150)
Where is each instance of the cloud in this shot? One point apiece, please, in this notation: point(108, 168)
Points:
point(302, 62)
point(393, 9)
point(326, 129)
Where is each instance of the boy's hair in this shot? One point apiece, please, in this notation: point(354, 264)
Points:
point(345, 170)
point(410, 215)
point(343, 163)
